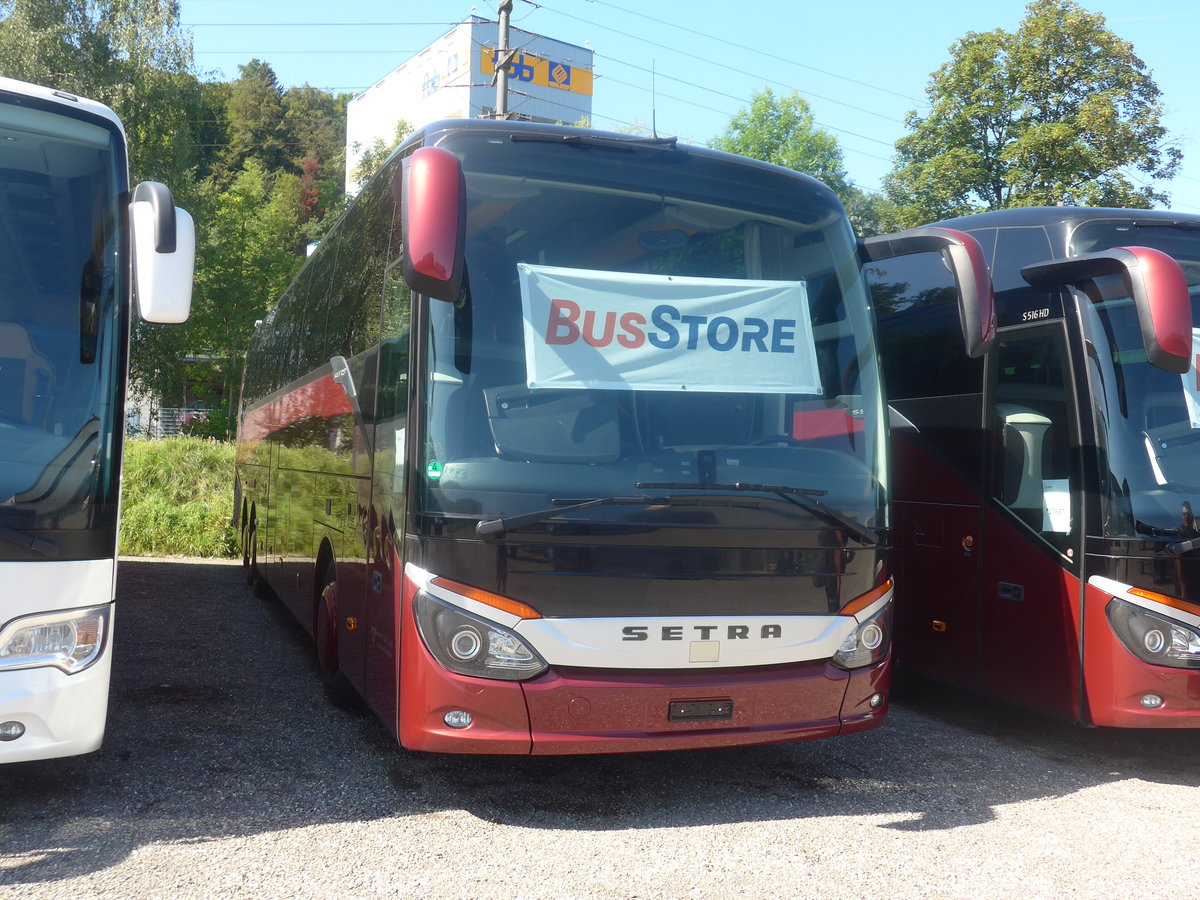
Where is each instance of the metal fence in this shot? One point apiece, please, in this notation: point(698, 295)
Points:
point(164, 421)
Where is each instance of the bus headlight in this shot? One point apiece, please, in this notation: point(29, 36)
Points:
point(868, 643)
point(1153, 638)
point(70, 640)
point(468, 645)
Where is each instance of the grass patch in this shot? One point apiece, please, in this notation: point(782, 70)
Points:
point(178, 498)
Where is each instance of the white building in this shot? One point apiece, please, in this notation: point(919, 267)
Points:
point(549, 81)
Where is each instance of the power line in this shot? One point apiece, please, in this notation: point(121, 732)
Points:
point(713, 63)
point(756, 50)
point(260, 53)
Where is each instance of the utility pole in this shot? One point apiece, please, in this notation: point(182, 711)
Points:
point(504, 57)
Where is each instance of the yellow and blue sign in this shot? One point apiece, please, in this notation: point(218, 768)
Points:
point(531, 69)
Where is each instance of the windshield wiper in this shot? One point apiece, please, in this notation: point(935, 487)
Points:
point(492, 526)
point(503, 523)
point(40, 545)
point(806, 498)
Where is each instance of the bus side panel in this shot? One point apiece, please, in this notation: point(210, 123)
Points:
point(937, 519)
point(1030, 615)
point(937, 591)
point(381, 672)
point(1116, 680)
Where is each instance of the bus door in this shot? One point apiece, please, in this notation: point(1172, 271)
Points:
point(936, 398)
point(1030, 541)
point(385, 518)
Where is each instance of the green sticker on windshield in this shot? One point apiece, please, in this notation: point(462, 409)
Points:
point(434, 470)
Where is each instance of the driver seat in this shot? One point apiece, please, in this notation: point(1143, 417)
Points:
point(26, 377)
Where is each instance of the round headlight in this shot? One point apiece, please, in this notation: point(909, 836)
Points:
point(466, 643)
point(871, 636)
point(1154, 640)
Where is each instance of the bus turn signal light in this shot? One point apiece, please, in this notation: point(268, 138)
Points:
point(496, 601)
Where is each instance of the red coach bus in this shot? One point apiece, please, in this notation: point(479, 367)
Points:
point(565, 441)
point(1044, 493)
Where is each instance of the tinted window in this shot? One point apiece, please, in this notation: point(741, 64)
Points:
point(920, 335)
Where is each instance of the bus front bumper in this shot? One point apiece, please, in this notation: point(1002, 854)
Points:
point(62, 715)
point(573, 711)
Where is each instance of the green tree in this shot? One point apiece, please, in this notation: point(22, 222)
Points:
point(256, 130)
point(131, 55)
point(782, 130)
point(246, 255)
point(377, 154)
point(315, 123)
point(1061, 110)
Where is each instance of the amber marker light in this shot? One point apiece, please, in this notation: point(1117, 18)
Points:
point(861, 602)
point(513, 607)
point(1166, 600)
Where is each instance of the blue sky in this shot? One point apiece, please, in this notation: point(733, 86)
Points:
point(689, 65)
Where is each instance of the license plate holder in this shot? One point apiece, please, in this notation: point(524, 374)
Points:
point(699, 710)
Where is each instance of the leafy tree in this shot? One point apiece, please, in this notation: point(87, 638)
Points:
point(246, 256)
point(315, 123)
point(129, 54)
point(781, 130)
point(1061, 110)
point(377, 154)
point(256, 122)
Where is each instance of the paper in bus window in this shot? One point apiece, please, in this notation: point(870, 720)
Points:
point(1056, 505)
point(1191, 382)
point(617, 330)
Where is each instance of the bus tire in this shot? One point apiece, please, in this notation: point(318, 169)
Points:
point(325, 631)
point(246, 538)
point(253, 577)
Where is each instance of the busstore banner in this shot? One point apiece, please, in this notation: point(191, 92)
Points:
point(618, 330)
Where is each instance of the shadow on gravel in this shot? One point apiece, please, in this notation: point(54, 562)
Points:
point(218, 727)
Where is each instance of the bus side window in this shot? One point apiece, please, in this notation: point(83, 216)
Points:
point(1034, 469)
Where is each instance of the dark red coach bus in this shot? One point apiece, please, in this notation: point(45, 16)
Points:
point(566, 441)
point(1044, 493)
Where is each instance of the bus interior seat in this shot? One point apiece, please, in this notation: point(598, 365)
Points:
point(26, 377)
point(1035, 450)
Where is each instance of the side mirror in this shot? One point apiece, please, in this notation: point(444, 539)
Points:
point(964, 258)
point(1154, 281)
point(164, 254)
point(433, 210)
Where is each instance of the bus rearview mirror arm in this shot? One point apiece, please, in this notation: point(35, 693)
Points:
point(964, 258)
point(1150, 277)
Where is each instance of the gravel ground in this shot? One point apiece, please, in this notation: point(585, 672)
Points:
point(226, 774)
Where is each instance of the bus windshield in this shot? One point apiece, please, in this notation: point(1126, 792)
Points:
point(1151, 417)
point(60, 331)
point(718, 344)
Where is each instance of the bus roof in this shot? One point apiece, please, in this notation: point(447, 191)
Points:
point(1067, 216)
point(429, 134)
point(70, 103)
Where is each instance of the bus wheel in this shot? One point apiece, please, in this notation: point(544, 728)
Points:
point(253, 576)
point(247, 537)
point(325, 630)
